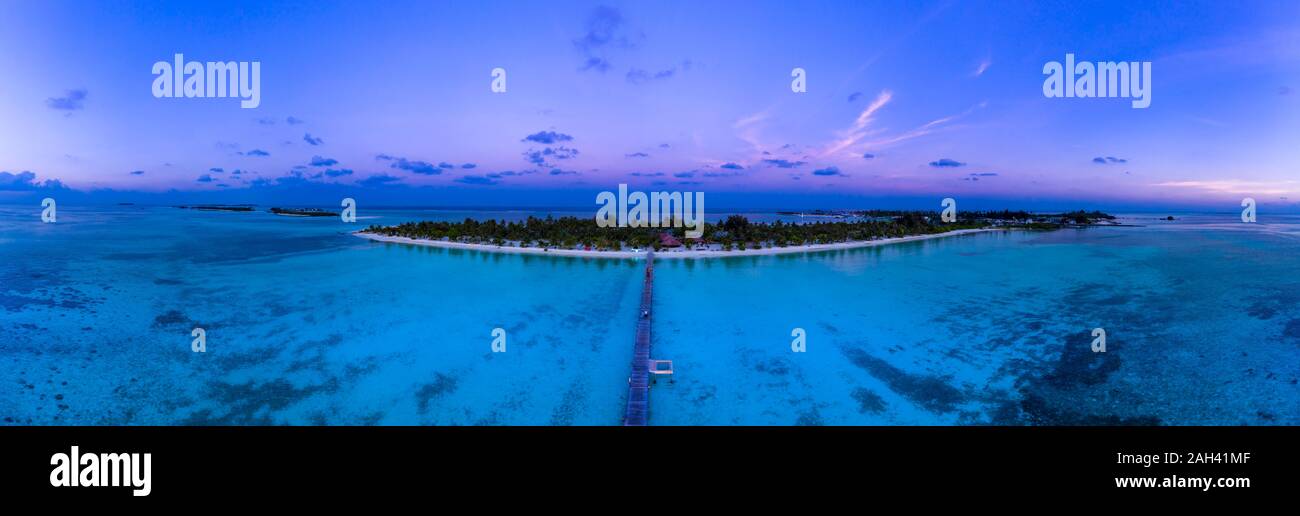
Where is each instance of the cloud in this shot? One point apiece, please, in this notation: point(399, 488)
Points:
point(829, 171)
point(636, 155)
point(547, 137)
point(784, 163)
point(981, 68)
point(444, 164)
point(855, 96)
point(468, 165)
point(1108, 160)
point(378, 180)
point(639, 76)
point(475, 180)
point(204, 178)
point(314, 141)
point(598, 64)
point(976, 177)
point(686, 174)
point(647, 174)
point(558, 172)
point(510, 173)
point(945, 162)
point(217, 170)
point(257, 152)
point(266, 121)
point(293, 121)
point(317, 161)
point(858, 130)
point(415, 167)
point(868, 156)
point(732, 166)
point(331, 172)
point(542, 157)
point(72, 100)
point(136, 172)
point(604, 30)
point(664, 146)
point(25, 181)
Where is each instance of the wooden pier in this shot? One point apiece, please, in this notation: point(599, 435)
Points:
point(638, 384)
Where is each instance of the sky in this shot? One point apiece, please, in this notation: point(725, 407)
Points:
point(906, 103)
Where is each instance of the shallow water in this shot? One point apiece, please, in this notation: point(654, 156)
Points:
point(309, 325)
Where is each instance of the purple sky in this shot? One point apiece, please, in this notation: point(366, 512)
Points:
point(905, 100)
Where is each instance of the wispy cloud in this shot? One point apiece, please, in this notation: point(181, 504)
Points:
point(72, 100)
point(859, 130)
point(1239, 187)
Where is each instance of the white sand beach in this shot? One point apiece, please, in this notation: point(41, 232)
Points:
point(666, 253)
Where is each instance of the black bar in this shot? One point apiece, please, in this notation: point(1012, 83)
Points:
point(237, 463)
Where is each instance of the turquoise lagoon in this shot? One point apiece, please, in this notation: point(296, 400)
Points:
point(308, 325)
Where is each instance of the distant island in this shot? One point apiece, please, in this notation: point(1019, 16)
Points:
point(304, 212)
point(736, 235)
point(218, 207)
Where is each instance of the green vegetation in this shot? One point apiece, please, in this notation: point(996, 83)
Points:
point(735, 232)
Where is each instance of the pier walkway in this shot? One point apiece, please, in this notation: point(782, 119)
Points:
point(638, 384)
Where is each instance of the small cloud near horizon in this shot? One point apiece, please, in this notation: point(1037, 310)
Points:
point(72, 100)
point(946, 162)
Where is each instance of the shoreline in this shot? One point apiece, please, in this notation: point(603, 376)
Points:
point(666, 254)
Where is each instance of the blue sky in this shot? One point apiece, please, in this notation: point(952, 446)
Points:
point(391, 103)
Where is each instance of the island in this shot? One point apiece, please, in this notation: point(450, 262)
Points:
point(304, 212)
point(218, 207)
point(735, 235)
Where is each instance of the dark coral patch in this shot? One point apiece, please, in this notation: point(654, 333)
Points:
point(930, 392)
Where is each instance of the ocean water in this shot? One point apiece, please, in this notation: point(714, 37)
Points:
point(306, 324)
